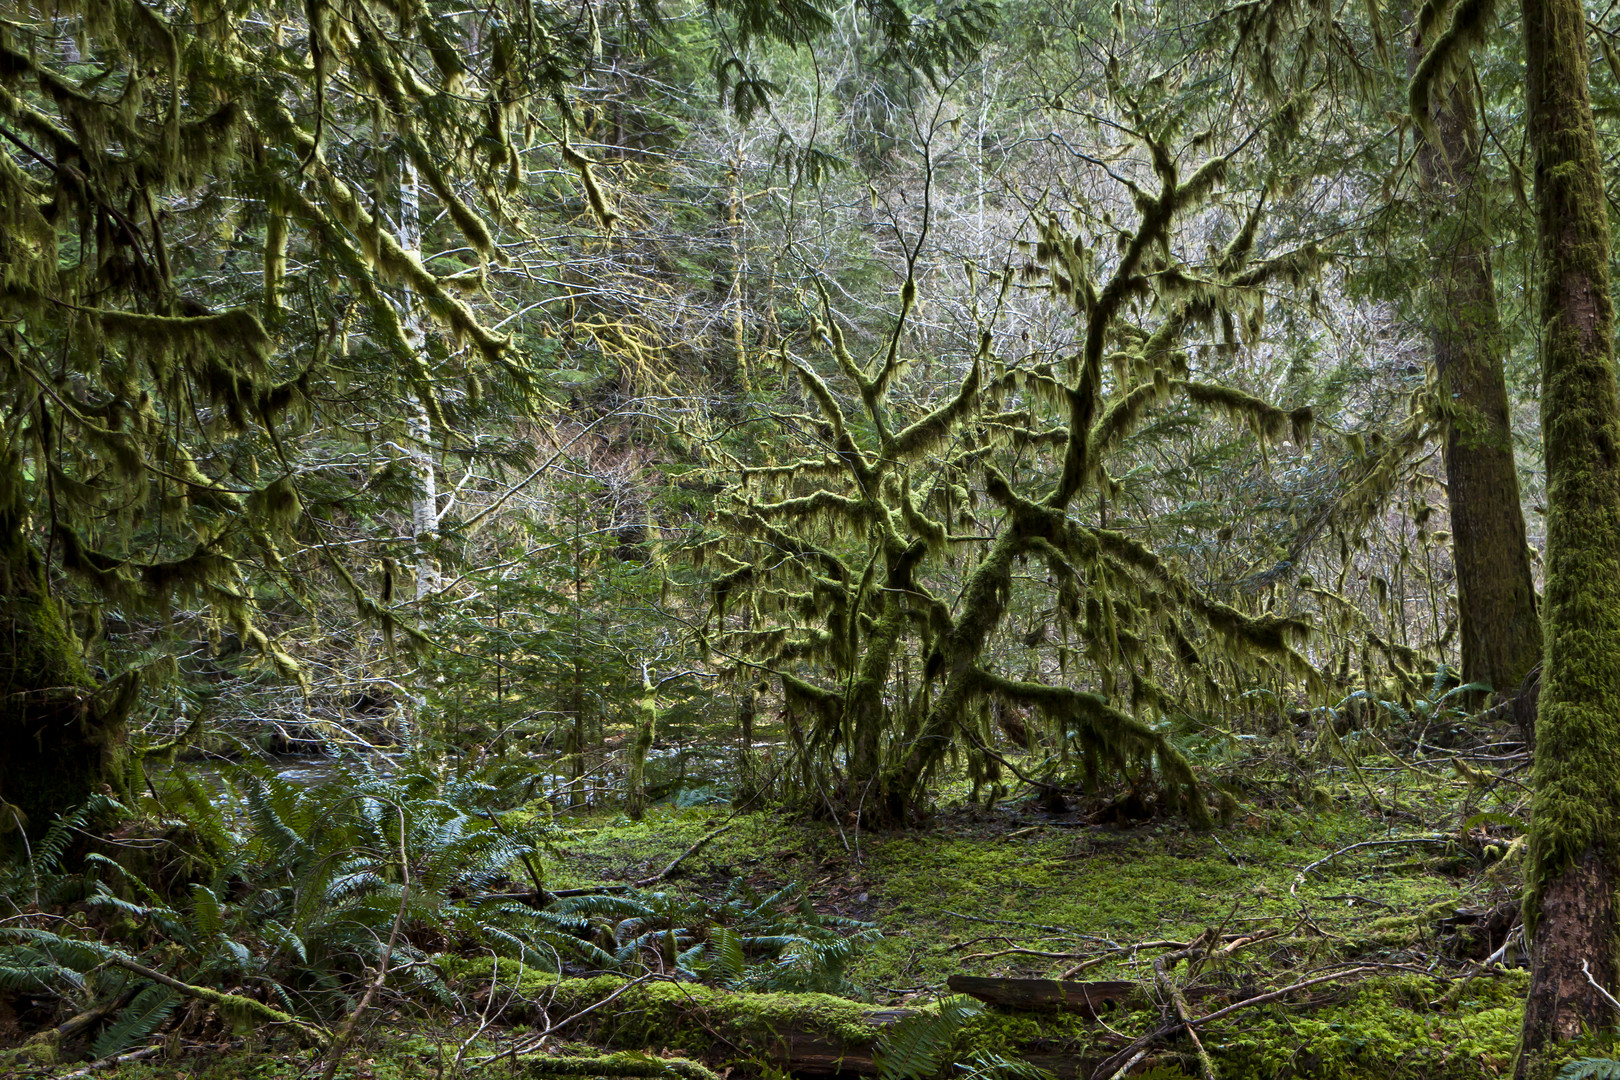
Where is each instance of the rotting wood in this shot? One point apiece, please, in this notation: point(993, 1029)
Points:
point(1085, 998)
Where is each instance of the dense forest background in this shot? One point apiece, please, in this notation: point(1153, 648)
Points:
point(434, 435)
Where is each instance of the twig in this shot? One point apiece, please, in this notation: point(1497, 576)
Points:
point(1167, 986)
point(113, 1062)
point(1613, 1004)
point(1139, 1047)
point(1234, 859)
point(979, 745)
point(1233, 938)
point(346, 1035)
point(1514, 934)
point(1367, 844)
point(538, 1039)
point(229, 1001)
point(1357, 899)
point(693, 850)
point(484, 1021)
point(541, 896)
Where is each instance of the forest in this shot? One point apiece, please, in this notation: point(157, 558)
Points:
point(781, 540)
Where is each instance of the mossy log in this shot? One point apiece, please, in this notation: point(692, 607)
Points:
point(805, 1034)
point(1338, 1026)
point(615, 1065)
point(1086, 998)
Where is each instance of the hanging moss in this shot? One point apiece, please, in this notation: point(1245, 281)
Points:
point(215, 128)
point(877, 513)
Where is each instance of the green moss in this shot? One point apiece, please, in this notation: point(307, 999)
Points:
point(687, 1017)
point(1156, 882)
point(1386, 1029)
point(63, 737)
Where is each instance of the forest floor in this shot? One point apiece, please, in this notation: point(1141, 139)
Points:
point(1400, 925)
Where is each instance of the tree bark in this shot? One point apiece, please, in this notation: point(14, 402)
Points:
point(418, 423)
point(1575, 824)
point(1496, 600)
point(61, 733)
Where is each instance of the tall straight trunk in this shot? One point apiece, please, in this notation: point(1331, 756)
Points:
point(61, 734)
point(1575, 813)
point(1496, 599)
point(418, 424)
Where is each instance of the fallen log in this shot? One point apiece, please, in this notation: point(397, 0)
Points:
point(817, 1036)
point(814, 1036)
point(1041, 995)
point(811, 1035)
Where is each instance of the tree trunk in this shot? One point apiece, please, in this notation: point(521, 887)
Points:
point(61, 736)
point(418, 424)
point(1575, 823)
point(1496, 600)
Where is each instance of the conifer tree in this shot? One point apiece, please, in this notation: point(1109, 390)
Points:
point(1496, 599)
point(1572, 869)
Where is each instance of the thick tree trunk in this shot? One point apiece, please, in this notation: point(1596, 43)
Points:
point(61, 735)
point(1575, 824)
point(1496, 600)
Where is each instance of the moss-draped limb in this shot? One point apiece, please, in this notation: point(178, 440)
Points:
point(1122, 415)
point(1084, 396)
point(1108, 732)
point(817, 504)
point(984, 601)
point(1471, 21)
point(229, 1004)
point(1269, 422)
point(1573, 863)
point(831, 411)
point(754, 525)
point(933, 428)
point(804, 467)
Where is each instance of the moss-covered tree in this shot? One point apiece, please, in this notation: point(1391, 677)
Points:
point(1499, 627)
point(162, 170)
point(840, 574)
point(1571, 872)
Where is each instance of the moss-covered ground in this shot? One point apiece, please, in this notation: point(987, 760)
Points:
point(961, 896)
point(1018, 893)
point(1393, 928)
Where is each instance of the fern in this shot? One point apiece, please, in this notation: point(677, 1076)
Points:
point(31, 972)
point(1590, 1069)
point(323, 882)
point(920, 1045)
point(142, 1016)
point(987, 1064)
point(207, 917)
point(726, 955)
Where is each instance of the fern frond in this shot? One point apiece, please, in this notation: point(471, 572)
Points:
point(149, 1010)
point(919, 1046)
